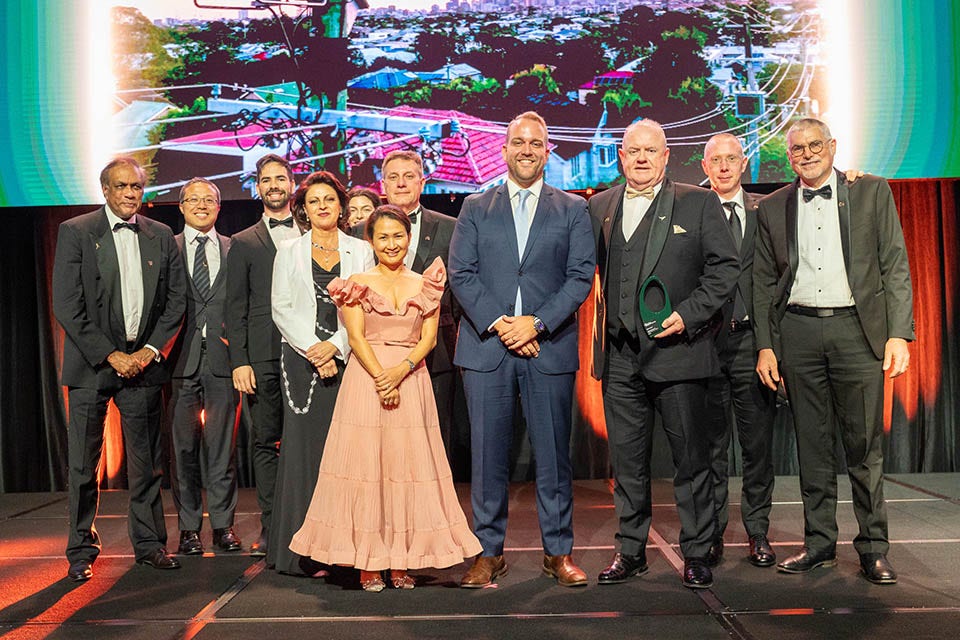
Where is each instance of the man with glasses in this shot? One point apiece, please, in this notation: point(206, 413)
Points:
point(833, 311)
point(736, 388)
point(118, 293)
point(203, 403)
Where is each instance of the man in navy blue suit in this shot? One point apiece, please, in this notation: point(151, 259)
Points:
point(521, 263)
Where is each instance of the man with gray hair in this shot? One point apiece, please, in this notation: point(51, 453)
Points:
point(202, 380)
point(833, 311)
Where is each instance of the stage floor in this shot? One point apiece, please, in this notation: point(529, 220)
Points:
point(234, 596)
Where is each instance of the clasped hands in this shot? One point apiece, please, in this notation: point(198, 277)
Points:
point(518, 334)
point(388, 382)
point(130, 365)
point(321, 356)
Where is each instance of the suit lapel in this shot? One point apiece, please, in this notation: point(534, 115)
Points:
point(843, 207)
point(610, 220)
point(150, 267)
point(543, 204)
point(109, 267)
point(660, 226)
point(790, 220)
point(428, 230)
point(264, 236)
point(224, 244)
point(750, 204)
point(501, 214)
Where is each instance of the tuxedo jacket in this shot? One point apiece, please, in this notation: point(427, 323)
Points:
point(186, 351)
point(251, 334)
point(88, 304)
point(554, 275)
point(436, 230)
point(691, 250)
point(874, 254)
point(751, 203)
point(294, 298)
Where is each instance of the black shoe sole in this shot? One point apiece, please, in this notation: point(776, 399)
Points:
point(230, 549)
point(151, 564)
point(79, 577)
point(639, 571)
point(881, 581)
point(695, 585)
point(496, 574)
point(190, 552)
point(830, 562)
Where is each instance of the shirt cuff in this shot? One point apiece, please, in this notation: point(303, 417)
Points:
point(494, 323)
point(156, 353)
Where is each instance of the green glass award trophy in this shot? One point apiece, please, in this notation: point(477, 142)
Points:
point(653, 319)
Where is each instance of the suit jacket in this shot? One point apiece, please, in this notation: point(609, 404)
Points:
point(436, 230)
point(88, 304)
point(554, 275)
point(874, 254)
point(251, 334)
point(186, 351)
point(294, 298)
point(693, 253)
point(751, 203)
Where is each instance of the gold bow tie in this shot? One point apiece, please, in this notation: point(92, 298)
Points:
point(645, 193)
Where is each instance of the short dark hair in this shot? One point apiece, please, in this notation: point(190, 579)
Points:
point(119, 161)
point(272, 157)
point(391, 211)
point(363, 192)
point(198, 180)
point(300, 197)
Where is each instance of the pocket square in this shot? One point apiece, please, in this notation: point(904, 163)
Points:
point(678, 229)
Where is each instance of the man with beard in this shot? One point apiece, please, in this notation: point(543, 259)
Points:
point(254, 341)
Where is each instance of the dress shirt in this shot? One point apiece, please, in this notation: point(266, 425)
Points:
point(633, 211)
point(821, 278)
point(278, 234)
point(211, 252)
point(740, 209)
point(414, 237)
point(131, 273)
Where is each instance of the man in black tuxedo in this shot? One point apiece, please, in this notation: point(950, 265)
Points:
point(118, 293)
point(202, 380)
point(653, 226)
point(430, 233)
point(254, 341)
point(833, 310)
point(736, 387)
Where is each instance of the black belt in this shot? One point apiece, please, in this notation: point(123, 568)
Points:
point(820, 312)
point(740, 325)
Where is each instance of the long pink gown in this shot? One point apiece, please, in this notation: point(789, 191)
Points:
point(385, 497)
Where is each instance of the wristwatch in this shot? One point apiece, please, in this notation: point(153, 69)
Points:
point(538, 325)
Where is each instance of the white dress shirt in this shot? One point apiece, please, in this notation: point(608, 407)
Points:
point(633, 211)
point(740, 209)
point(821, 279)
point(279, 234)
point(414, 238)
point(131, 273)
point(211, 251)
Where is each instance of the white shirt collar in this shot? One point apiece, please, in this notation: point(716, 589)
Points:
point(513, 188)
point(190, 234)
point(113, 218)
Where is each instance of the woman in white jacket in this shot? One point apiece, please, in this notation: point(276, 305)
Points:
point(314, 352)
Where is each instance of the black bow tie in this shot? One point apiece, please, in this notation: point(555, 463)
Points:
point(133, 226)
point(286, 222)
point(413, 216)
point(824, 192)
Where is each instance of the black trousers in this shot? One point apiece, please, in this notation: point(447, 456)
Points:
point(737, 398)
point(204, 446)
point(266, 416)
point(140, 423)
point(629, 402)
point(834, 381)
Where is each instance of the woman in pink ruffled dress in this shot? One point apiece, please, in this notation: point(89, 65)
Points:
point(384, 497)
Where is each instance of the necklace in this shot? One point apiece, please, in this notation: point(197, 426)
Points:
point(323, 248)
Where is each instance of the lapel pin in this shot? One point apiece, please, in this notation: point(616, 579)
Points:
point(662, 217)
point(149, 263)
point(98, 246)
point(606, 220)
point(426, 238)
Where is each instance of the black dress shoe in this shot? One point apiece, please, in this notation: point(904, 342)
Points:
point(159, 559)
point(190, 544)
point(80, 571)
point(877, 569)
point(807, 560)
point(622, 567)
point(226, 540)
point(761, 553)
point(311, 568)
point(697, 574)
point(259, 548)
point(715, 554)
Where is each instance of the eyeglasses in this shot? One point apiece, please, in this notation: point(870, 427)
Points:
point(815, 148)
point(194, 201)
point(718, 160)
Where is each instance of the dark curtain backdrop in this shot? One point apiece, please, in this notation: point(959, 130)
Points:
point(921, 407)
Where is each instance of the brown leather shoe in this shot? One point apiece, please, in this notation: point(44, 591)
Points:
point(564, 570)
point(484, 571)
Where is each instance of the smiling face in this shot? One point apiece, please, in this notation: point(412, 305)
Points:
point(525, 151)
point(724, 164)
point(403, 183)
point(200, 206)
point(390, 241)
point(124, 190)
point(274, 185)
point(644, 155)
point(322, 207)
point(813, 168)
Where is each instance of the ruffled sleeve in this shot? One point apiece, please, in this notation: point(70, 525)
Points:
point(434, 280)
point(346, 292)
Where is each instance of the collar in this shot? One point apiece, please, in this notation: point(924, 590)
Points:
point(737, 198)
point(113, 218)
point(190, 235)
point(832, 181)
point(513, 188)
